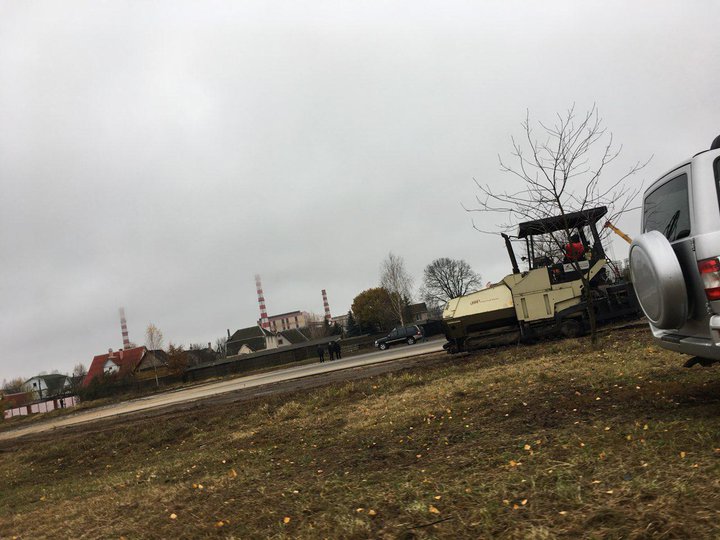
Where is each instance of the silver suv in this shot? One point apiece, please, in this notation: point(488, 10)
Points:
point(675, 263)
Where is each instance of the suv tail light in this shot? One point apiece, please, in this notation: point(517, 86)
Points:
point(710, 273)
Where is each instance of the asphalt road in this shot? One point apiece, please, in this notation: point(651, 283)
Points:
point(207, 390)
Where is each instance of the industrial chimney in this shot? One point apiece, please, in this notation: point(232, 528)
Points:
point(326, 306)
point(264, 322)
point(123, 327)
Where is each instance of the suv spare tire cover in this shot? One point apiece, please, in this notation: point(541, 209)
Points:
point(658, 281)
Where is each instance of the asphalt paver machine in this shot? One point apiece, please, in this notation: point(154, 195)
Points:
point(549, 297)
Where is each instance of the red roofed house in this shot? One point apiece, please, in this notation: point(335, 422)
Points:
point(122, 361)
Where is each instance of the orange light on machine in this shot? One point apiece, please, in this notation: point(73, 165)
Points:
point(710, 273)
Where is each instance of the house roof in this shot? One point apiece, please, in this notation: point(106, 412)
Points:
point(200, 356)
point(256, 344)
point(126, 360)
point(54, 382)
point(416, 309)
point(248, 333)
point(18, 399)
point(294, 336)
point(152, 359)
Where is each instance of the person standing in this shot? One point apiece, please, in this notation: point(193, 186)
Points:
point(321, 353)
point(338, 349)
point(331, 350)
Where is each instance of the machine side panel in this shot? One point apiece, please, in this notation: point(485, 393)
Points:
point(494, 298)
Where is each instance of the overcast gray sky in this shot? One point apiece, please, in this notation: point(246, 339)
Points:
point(156, 155)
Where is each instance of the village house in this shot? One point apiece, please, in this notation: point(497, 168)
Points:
point(151, 364)
point(45, 386)
point(196, 357)
point(255, 339)
point(122, 361)
point(417, 313)
point(250, 340)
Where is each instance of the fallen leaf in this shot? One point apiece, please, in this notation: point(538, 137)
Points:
point(438, 497)
point(219, 524)
point(286, 520)
point(372, 513)
point(358, 510)
point(527, 447)
point(562, 512)
point(609, 492)
point(232, 473)
point(682, 455)
point(523, 502)
point(433, 510)
point(173, 516)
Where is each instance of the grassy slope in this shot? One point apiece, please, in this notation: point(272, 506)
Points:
point(554, 440)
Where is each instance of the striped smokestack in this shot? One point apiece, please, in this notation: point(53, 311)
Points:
point(326, 306)
point(264, 322)
point(123, 327)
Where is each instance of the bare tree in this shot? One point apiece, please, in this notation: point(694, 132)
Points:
point(317, 326)
point(154, 342)
point(561, 170)
point(79, 370)
point(397, 282)
point(14, 386)
point(153, 337)
point(447, 278)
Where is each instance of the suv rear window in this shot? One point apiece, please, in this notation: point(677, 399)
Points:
point(667, 209)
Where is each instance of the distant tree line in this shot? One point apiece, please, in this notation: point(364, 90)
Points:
point(380, 308)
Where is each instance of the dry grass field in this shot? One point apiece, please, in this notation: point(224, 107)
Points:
point(555, 440)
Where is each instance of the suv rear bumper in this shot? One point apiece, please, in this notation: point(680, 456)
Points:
point(701, 346)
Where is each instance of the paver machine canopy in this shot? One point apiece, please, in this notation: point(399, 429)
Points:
point(568, 224)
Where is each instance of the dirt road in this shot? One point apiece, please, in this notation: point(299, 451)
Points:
point(248, 386)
